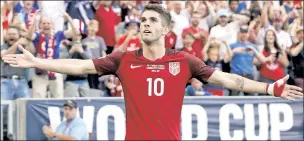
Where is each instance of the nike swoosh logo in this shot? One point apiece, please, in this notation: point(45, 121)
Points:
point(133, 67)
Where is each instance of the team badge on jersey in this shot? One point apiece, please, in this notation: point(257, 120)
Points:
point(174, 68)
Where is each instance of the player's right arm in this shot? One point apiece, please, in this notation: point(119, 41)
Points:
point(101, 66)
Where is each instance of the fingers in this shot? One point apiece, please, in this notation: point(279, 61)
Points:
point(294, 95)
point(286, 77)
point(10, 62)
point(289, 98)
point(295, 88)
point(14, 65)
point(21, 48)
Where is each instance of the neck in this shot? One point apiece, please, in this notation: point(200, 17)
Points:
point(242, 41)
point(91, 35)
point(69, 120)
point(270, 45)
point(154, 51)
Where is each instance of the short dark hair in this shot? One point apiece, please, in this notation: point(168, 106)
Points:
point(195, 12)
point(165, 15)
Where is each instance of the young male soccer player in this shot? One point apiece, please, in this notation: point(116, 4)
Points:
point(164, 75)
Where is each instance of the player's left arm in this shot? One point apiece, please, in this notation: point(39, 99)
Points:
point(236, 82)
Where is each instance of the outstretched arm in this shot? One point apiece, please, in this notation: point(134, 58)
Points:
point(236, 82)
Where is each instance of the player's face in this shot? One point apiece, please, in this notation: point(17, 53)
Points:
point(69, 112)
point(151, 27)
point(12, 35)
point(270, 37)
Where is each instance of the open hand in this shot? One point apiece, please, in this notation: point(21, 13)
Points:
point(285, 91)
point(25, 60)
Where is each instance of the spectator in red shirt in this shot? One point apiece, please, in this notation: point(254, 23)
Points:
point(170, 38)
point(275, 67)
point(107, 19)
point(188, 41)
point(130, 41)
point(199, 34)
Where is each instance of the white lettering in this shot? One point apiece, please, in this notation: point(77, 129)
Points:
point(237, 113)
point(202, 122)
point(276, 125)
point(54, 115)
point(250, 122)
point(88, 117)
point(102, 122)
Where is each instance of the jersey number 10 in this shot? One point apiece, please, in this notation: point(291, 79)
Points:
point(156, 82)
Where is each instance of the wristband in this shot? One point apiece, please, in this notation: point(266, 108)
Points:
point(276, 89)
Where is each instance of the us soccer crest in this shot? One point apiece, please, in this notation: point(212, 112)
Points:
point(174, 68)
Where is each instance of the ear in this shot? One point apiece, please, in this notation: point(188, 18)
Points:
point(166, 30)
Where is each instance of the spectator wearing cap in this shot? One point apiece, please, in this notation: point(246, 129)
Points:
point(97, 47)
point(212, 58)
point(107, 19)
point(73, 128)
point(296, 53)
point(200, 35)
point(226, 31)
point(243, 53)
point(276, 62)
point(130, 41)
point(120, 30)
point(170, 38)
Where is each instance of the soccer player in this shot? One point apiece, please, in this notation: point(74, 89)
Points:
point(154, 100)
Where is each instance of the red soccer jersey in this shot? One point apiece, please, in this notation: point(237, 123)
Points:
point(132, 45)
point(154, 99)
point(170, 40)
point(189, 51)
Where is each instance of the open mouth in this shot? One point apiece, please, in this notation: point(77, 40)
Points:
point(147, 31)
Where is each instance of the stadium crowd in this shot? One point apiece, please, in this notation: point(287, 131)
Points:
point(260, 40)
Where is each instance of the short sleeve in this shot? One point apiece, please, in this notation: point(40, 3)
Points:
point(108, 64)
point(79, 131)
point(102, 44)
point(198, 68)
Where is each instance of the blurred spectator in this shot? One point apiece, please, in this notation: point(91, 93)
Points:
point(77, 85)
point(200, 35)
point(233, 6)
point(126, 8)
point(26, 10)
point(181, 22)
point(81, 10)
point(97, 47)
point(13, 80)
point(170, 38)
point(73, 128)
point(121, 27)
point(254, 10)
point(196, 89)
point(47, 44)
point(54, 9)
point(243, 53)
point(107, 19)
point(226, 31)
point(208, 15)
point(274, 69)
point(296, 53)
point(211, 53)
point(188, 41)
point(113, 86)
point(130, 41)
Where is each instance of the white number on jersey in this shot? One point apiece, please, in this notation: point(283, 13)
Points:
point(156, 82)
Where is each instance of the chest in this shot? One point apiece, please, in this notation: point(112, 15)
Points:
point(147, 80)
